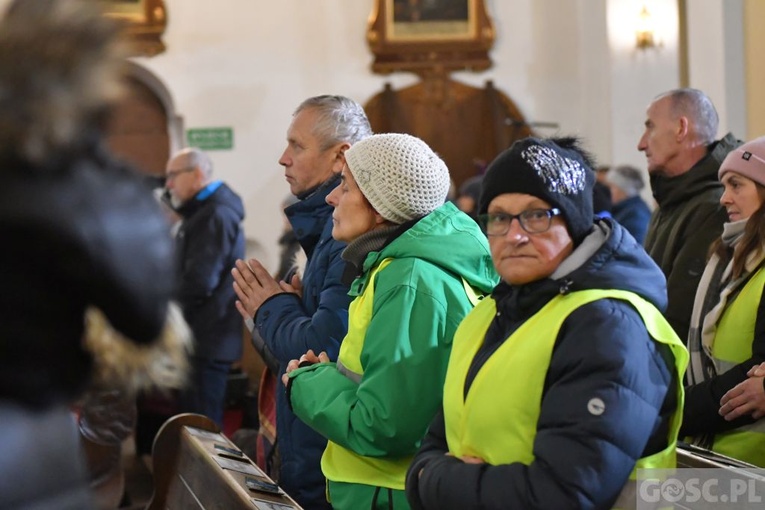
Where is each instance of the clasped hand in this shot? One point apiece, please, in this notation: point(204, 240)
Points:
point(254, 285)
point(309, 358)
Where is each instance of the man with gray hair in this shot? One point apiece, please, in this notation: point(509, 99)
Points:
point(209, 241)
point(683, 159)
point(294, 316)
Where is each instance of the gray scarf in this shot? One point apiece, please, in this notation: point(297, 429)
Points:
point(374, 240)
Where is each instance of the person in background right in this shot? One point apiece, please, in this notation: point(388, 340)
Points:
point(683, 159)
point(625, 183)
point(727, 335)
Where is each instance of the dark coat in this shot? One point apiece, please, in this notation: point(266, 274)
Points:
point(633, 214)
point(686, 222)
point(290, 326)
point(209, 242)
point(602, 348)
point(81, 231)
point(86, 231)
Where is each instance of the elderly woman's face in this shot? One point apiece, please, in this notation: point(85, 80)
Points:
point(519, 256)
point(353, 215)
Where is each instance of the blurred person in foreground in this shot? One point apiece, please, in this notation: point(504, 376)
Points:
point(82, 233)
point(567, 379)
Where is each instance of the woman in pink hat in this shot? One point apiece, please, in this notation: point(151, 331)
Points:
point(727, 333)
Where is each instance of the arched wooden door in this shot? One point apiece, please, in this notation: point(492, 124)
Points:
point(138, 129)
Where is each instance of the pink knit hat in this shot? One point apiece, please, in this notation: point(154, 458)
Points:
point(747, 160)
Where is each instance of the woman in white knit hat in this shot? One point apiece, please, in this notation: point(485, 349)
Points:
point(727, 335)
point(418, 267)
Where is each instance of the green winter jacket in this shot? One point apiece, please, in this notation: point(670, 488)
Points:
point(419, 299)
point(688, 219)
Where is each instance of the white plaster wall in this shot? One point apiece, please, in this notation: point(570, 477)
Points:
point(716, 59)
point(637, 76)
point(247, 63)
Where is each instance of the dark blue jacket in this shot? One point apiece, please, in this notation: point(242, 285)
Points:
point(586, 465)
point(290, 326)
point(633, 214)
point(209, 242)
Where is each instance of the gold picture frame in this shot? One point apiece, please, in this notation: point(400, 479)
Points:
point(128, 9)
point(145, 22)
point(418, 35)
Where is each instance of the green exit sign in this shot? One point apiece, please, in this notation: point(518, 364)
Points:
point(221, 138)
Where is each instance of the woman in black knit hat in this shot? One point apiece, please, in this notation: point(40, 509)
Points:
point(567, 378)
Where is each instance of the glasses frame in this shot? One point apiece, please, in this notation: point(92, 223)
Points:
point(173, 174)
point(521, 217)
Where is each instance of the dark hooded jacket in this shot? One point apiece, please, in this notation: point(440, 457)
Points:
point(633, 214)
point(84, 231)
point(209, 242)
point(79, 231)
point(602, 348)
point(686, 222)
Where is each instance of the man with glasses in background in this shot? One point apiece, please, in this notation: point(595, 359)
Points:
point(208, 243)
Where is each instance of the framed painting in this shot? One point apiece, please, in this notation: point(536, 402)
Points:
point(421, 20)
point(145, 21)
point(413, 35)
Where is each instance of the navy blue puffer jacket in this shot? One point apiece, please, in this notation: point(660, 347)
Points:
point(291, 326)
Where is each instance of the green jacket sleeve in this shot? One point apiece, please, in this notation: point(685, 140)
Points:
point(405, 354)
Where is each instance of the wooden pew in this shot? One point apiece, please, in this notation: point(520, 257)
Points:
point(191, 473)
point(691, 456)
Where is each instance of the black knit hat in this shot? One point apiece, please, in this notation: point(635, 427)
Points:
point(557, 170)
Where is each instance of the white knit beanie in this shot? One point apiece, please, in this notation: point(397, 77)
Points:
point(399, 174)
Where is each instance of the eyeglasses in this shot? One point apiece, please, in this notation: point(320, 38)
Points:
point(533, 221)
point(170, 175)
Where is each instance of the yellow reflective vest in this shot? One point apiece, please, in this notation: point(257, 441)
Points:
point(341, 464)
point(733, 345)
point(497, 419)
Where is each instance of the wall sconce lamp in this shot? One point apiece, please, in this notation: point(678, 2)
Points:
point(644, 36)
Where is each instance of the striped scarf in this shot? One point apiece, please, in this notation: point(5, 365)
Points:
point(715, 291)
